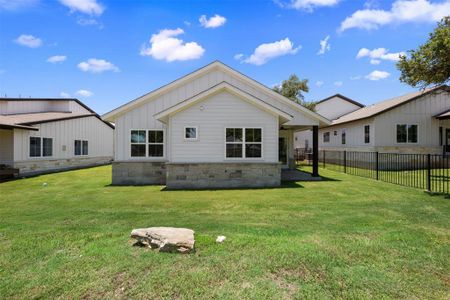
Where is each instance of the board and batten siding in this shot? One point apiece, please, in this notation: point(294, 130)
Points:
point(335, 107)
point(35, 106)
point(64, 133)
point(354, 133)
point(211, 117)
point(142, 117)
point(420, 112)
point(6, 147)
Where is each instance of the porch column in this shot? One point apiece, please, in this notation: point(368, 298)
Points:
point(315, 140)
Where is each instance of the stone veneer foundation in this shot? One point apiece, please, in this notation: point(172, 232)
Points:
point(222, 175)
point(40, 166)
point(138, 173)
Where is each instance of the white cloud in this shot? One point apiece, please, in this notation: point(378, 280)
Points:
point(16, 4)
point(338, 83)
point(319, 83)
point(64, 95)
point(238, 56)
point(324, 46)
point(97, 66)
point(355, 77)
point(377, 75)
point(28, 40)
point(402, 11)
point(265, 52)
point(308, 5)
point(56, 59)
point(90, 7)
point(84, 93)
point(378, 54)
point(213, 22)
point(165, 46)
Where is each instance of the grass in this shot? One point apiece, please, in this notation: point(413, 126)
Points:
point(348, 237)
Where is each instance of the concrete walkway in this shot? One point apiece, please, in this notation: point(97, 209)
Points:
point(296, 175)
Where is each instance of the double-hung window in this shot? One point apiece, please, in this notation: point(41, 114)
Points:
point(147, 143)
point(407, 133)
point(41, 147)
point(243, 142)
point(155, 143)
point(81, 147)
point(326, 137)
point(343, 137)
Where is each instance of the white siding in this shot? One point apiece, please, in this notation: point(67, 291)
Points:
point(142, 117)
point(420, 112)
point(335, 108)
point(34, 106)
point(219, 111)
point(6, 147)
point(64, 133)
point(354, 135)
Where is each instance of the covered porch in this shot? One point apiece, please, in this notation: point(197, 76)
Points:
point(286, 148)
point(444, 131)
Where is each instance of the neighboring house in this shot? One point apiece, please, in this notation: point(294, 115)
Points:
point(331, 108)
point(43, 135)
point(213, 128)
point(418, 122)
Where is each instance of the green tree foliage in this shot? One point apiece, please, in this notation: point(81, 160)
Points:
point(292, 88)
point(430, 63)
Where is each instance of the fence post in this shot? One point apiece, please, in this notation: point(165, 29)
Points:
point(345, 161)
point(377, 164)
point(324, 164)
point(429, 172)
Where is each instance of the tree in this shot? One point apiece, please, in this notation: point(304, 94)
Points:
point(292, 88)
point(430, 63)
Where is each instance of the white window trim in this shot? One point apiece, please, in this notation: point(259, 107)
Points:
point(344, 132)
point(146, 157)
point(406, 143)
point(329, 137)
point(370, 134)
point(243, 158)
point(80, 148)
point(41, 157)
point(191, 139)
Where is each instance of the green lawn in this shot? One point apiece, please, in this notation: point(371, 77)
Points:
point(348, 237)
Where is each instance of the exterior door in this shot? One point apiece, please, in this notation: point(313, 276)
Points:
point(282, 152)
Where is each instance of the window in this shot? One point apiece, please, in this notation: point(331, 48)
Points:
point(41, 147)
point(190, 133)
point(407, 133)
point(155, 143)
point(326, 137)
point(441, 136)
point(367, 134)
point(35, 146)
point(343, 137)
point(81, 147)
point(335, 133)
point(47, 147)
point(243, 142)
point(138, 143)
point(84, 150)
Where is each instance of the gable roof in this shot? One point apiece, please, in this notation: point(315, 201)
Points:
point(223, 86)
point(384, 106)
point(110, 116)
point(343, 98)
point(26, 120)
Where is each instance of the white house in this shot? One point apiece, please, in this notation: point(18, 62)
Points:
point(212, 128)
point(331, 108)
point(42, 135)
point(417, 122)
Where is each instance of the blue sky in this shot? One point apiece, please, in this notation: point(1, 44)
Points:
point(103, 53)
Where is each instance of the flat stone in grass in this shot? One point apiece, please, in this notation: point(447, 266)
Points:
point(165, 239)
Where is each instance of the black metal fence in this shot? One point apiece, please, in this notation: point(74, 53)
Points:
point(424, 171)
